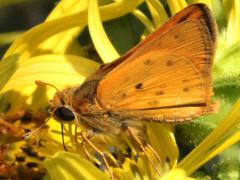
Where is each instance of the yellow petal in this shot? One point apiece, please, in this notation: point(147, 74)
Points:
point(61, 42)
point(59, 70)
point(125, 172)
point(8, 37)
point(157, 11)
point(162, 139)
point(144, 19)
point(100, 40)
point(30, 40)
point(233, 34)
point(176, 174)
point(8, 66)
point(176, 6)
point(65, 165)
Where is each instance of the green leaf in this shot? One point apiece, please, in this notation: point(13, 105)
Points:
point(228, 167)
point(227, 66)
point(132, 32)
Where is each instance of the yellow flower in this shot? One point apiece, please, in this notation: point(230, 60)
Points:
point(46, 53)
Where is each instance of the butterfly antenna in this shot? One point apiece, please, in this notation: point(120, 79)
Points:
point(35, 131)
point(65, 148)
point(41, 83)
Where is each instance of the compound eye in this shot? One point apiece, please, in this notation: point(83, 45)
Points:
point(64, 113)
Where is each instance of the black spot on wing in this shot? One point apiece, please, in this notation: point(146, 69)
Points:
point(185, 89)
point(147, 62)
point(159, 93)
point(139, 86)
point(123, 95)
point(169, 63)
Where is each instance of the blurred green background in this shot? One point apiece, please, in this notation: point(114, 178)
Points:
point(17, 16)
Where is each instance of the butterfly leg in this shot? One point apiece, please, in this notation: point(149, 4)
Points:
point(63, 142)
point(155, 153)
point(102, 154)
point(85, 150)
point(83, 144)
point(144, 150)
point(87, 154)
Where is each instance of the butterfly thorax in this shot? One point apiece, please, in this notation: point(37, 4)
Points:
point(91, 115)
point(88, 114)
point(83, 97)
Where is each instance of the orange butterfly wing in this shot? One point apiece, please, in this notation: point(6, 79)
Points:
point(168, 77)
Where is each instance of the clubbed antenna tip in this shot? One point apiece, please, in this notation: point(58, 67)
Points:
point(41, 83)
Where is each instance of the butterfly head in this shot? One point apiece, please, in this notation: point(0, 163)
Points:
point(60, 105)
point(61, 109)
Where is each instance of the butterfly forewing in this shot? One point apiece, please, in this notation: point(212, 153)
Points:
point(159, 83)
point(169, 77)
